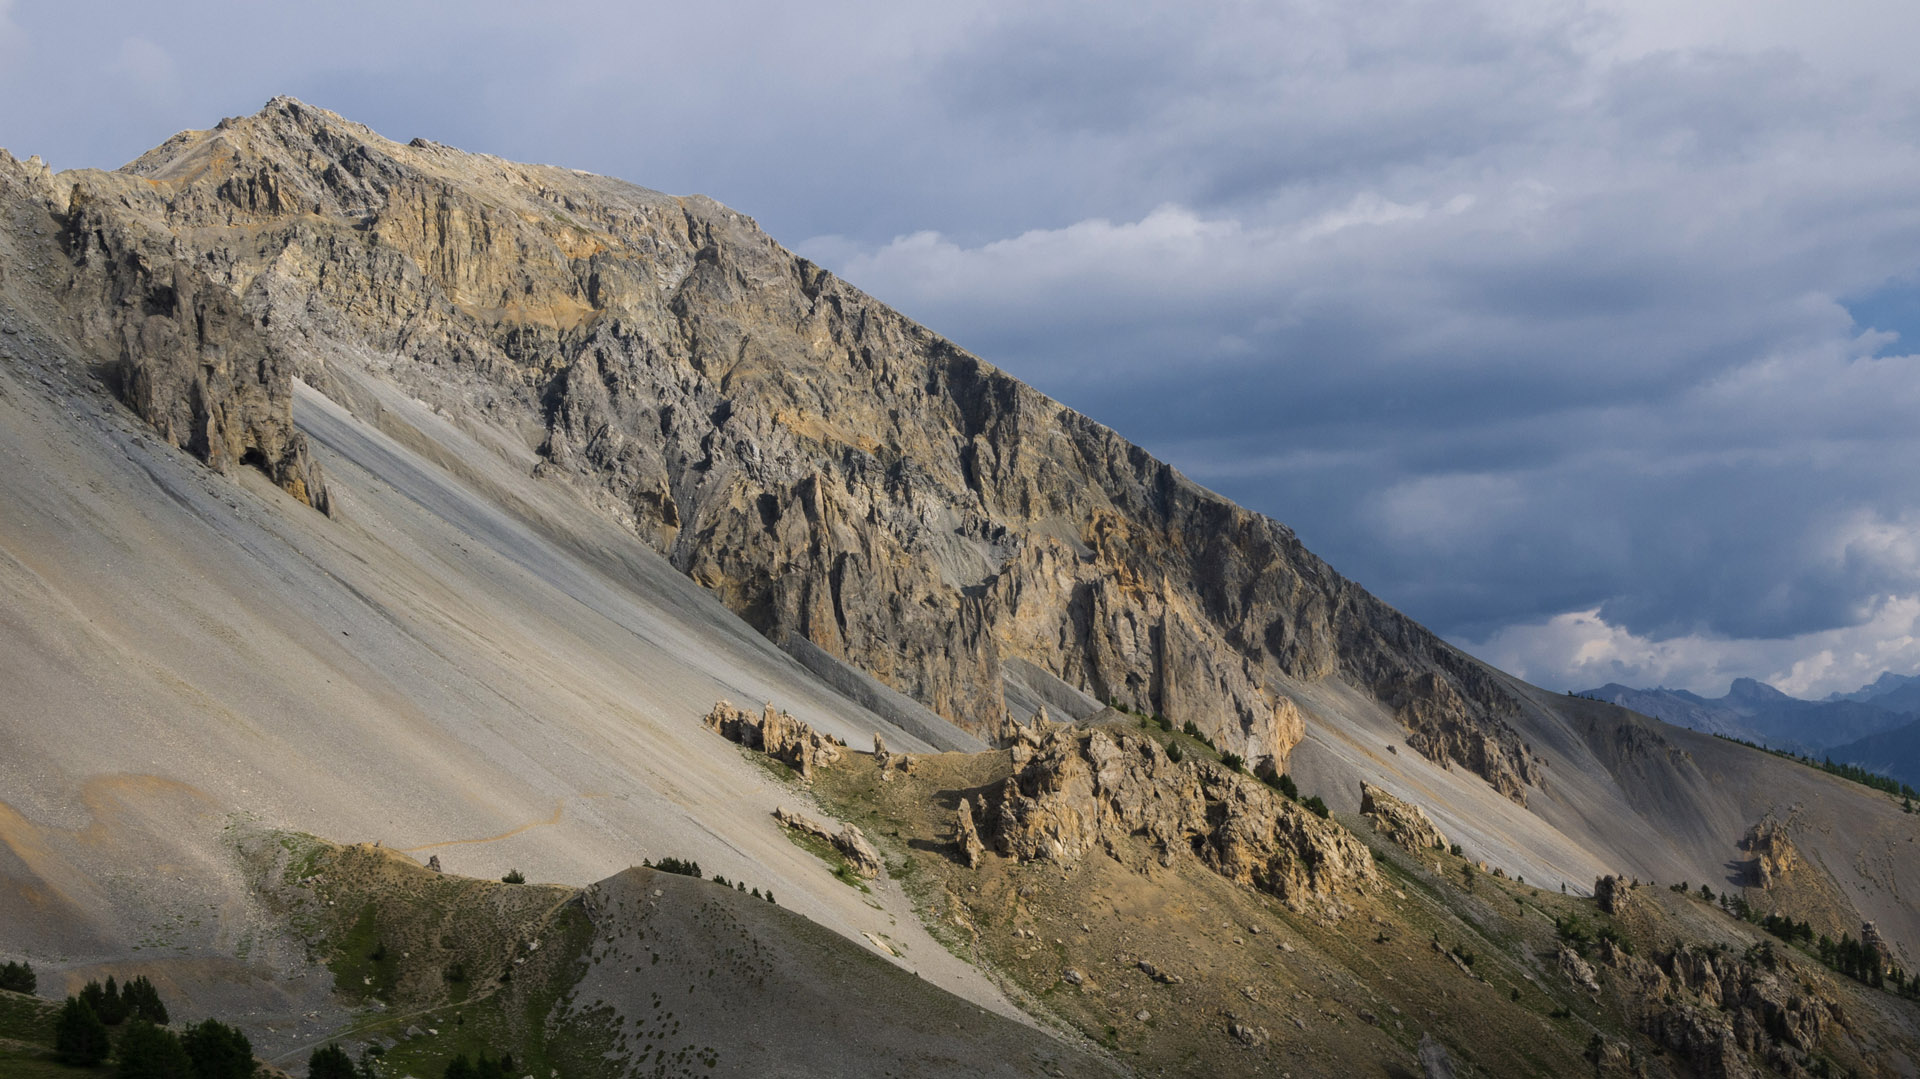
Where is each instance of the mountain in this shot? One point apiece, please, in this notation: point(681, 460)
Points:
point(1758, 712)
point(1894, 753)
point(428, 503)
point(1887, 683)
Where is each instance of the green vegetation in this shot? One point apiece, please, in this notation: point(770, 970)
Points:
point(1316, 805)
point(1234, 761)
point(79, 1037)
point(18, 977)
point(1852, 772)
point(147, 1051)
point(330, 1062)
point(681, 867)
point(218, 1051)
point(514, 876)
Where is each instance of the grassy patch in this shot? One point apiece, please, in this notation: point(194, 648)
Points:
point(828, 853)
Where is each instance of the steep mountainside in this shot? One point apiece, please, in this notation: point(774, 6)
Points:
point(832, 471)
point(515, 471)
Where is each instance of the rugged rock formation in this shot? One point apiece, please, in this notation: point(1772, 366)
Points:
point(1720, 1012)
point(178, 347)
point(1402, 822)
point(776, 734)
point(831, 470)
point(850, 841)
point(1613, 894)
point(1577, 970)
point(1773, 853)
point(1083, 791)
point(967, 835)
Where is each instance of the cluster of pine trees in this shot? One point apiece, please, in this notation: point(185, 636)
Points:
point(147, 1049)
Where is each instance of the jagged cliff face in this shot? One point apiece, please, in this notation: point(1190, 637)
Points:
point(832, 470)
point(177, 346)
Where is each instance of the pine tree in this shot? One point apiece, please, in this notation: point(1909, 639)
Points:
point(141, 1000)
point(330, 1062)
point(79, 1037)
point(18, 977)
point(218, 1051)
point(151, 1052)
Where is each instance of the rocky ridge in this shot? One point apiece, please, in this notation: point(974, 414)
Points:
point(833, 471)
point(1076, 792)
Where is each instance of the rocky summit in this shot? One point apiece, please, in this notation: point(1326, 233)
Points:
point(378, 493)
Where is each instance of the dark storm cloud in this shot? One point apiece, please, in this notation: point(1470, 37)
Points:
point(1568, 328)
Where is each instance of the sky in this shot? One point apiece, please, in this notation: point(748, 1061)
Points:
point(1584, 333)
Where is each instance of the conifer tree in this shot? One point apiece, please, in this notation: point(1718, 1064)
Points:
point(79, 1037)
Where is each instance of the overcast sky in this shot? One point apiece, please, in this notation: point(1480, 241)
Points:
point(1583, 333)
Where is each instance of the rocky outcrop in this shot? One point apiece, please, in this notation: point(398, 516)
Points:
point(1721, 1012)
point(1614, 895)
point(967, 835)
point(1773, 853)
point(776, 734)
point(178, 346)
point(849, 840)
point(1402, 822)
point(1577, 970)
point(1085, 791)
point(828, 468)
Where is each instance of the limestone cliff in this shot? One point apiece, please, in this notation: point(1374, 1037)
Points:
point(832, 470)
point(176, 346)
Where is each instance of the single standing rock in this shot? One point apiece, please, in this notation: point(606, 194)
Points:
point(1613, 895)
point(967, 835)
point(433, 863)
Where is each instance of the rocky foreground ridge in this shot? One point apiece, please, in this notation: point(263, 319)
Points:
point(835, 472)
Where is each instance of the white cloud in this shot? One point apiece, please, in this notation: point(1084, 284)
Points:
point(1581, 650)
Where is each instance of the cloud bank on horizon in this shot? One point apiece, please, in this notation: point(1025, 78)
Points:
point(1583, 332)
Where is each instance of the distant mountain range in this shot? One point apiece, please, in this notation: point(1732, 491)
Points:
point(1876, 726)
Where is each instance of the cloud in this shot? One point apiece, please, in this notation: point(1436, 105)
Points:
point(1581, 650)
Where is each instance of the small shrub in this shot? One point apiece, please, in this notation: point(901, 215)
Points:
point(678, 866)
point(1166, 725)
point(1190, 729)
point(1234, 761)
point(1456, 850)
point(1175, 753)
point(514, 876)
point(1288, 787)
point(456, 973)
point(1316, 805)
point(1513, 994)
point(1560, 1013)
point(18, 977)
